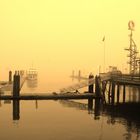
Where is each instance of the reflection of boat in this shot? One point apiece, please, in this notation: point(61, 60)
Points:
point(32, 74)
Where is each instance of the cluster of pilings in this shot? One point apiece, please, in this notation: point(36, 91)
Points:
point(111, 92)
point(97, 91)
point(16, 92)
point(16, 85)
point(16, 80)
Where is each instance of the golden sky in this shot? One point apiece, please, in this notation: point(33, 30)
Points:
point(62, 35)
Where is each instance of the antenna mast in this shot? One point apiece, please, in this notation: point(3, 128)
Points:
point(132, 50)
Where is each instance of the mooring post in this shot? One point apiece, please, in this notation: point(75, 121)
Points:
point(109, 93)
point(79, 75)
point(123, 93)
point(118, 93)
point(104, 84)
point(90, 87)
point(113, 92)
point(16, 85)
point(10, 77)
point(97, 86)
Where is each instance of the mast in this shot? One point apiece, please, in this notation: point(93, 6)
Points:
point(132, 50)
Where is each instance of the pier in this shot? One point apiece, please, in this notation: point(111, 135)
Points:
point(97, 88)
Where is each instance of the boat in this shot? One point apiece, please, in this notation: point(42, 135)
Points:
point(32, 74)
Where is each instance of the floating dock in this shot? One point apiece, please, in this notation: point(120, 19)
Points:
point(50, 97)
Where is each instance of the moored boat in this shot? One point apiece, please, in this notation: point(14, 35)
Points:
point(32, 74)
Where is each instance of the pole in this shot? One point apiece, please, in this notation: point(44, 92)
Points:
point(104, 52)
point(16, 85)
point(123, 93)
point(90, 87)
point(118, 93)
point(10, 77)
point(104, 56)
point(113, 93)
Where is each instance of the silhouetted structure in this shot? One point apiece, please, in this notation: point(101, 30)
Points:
point(132, 51)
point(91, 87)
point(16, 85)
point(10, 77)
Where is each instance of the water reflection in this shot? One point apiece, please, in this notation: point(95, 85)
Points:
point(82, 106)
point(126, 114)
point(16, 110)
point(36, 104)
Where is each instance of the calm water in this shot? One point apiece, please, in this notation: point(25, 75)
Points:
point(69, 120)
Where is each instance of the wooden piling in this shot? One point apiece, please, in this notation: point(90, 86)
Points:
point(97, 86)
point(109, 92)
point(123, 93)
point(118, 93)
point(104, 83)
point(113, 93)
point(10, 77)
point(16, 85)
point(79, 75)
point(91, 87)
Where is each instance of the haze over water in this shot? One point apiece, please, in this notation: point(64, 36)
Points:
point(56, 37)
point(60, 36)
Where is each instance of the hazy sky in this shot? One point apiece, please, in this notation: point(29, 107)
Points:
point(62, 35)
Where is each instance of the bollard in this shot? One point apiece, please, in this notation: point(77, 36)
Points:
point(10, 77)
point(16, 85)
point(90, 87)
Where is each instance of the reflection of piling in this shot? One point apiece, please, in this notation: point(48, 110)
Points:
point(36, 104)
point(16, 110)
point(97, 109)
point(16, 85)
point(10, 77)
point(90, 104)
point(90, 87)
